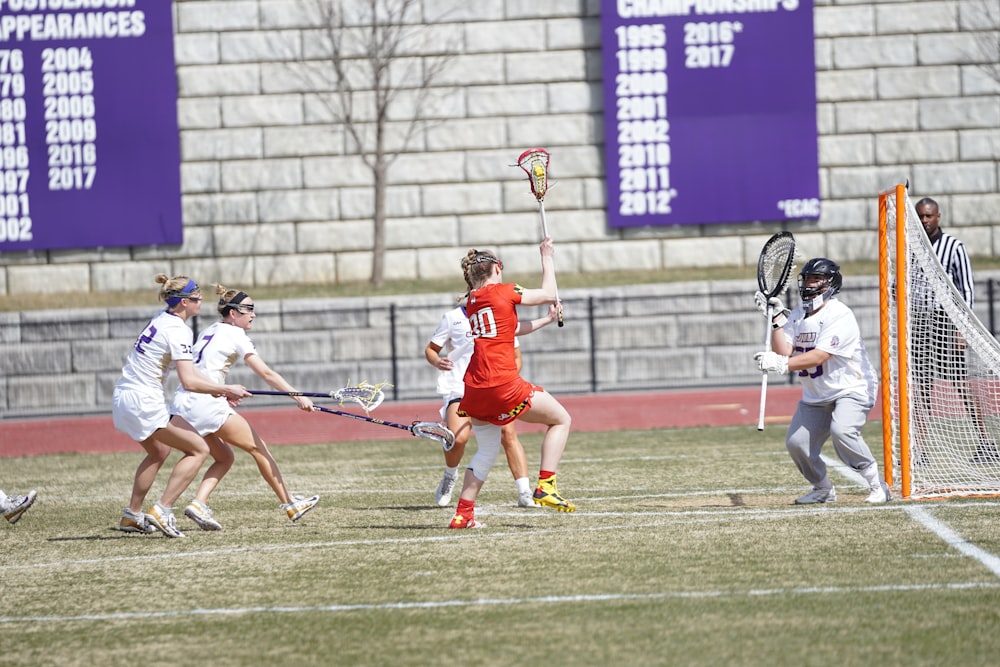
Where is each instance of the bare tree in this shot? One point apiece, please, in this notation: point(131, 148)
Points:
point(375, 53)
point(984, 15)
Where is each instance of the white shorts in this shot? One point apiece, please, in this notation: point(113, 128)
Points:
point(138, 414)
point(448, 400)
point(205, 413)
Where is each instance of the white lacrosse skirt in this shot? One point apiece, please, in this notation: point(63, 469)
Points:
point(138, 412)
point(205, 413)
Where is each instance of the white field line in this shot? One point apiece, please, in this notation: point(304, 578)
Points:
point(925, 518)
point(656, 519)
point(546, 600)
point(950, 537)
point(667, 517)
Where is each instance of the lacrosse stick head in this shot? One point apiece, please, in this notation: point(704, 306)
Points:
point(535, 163)
point(775, 263)
point(368, 396)
point(434, 431)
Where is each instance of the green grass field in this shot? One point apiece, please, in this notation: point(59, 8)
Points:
point(684, 550)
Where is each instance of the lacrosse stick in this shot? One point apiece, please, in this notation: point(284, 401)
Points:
point(368, 396)
point(774, 266)
point(430, 430)
point(535, 163)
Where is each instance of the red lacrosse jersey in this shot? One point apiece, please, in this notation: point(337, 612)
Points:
point(493, 318)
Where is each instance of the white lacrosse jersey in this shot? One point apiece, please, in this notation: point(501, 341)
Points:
point(219, 347)
point(454, 335)
point(166, 339)
point(833, 329)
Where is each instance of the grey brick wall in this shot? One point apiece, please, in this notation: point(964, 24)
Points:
point(676, 335)
point(272, 193)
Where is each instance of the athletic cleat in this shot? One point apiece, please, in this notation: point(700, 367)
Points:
point(525, 499)
point(445, 488)
point(135, 522)
point(986, 453)
point(201, 514)
point(18, 505)
point(547, 495)
point(818, 496)
point(163, 520)
point(461, 521)
point(299, 506)
point(880, 495)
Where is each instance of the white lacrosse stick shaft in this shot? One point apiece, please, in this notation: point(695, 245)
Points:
point(763, 379)
point(545, 232)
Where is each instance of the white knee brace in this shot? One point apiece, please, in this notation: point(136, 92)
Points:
point(488, 440)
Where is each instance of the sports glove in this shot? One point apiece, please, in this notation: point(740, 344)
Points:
point(772, 362)
point(779, 314)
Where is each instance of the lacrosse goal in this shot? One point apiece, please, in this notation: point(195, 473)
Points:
point(940, 368)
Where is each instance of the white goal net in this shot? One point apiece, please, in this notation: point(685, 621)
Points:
point(944, 369)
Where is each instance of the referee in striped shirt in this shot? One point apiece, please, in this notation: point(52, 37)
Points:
point(955, 260)
point(949, 250)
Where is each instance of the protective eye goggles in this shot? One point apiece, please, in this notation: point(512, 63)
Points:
point(241, 307)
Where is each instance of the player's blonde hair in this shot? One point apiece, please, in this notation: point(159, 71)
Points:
point(477, 265)
point(176, 288)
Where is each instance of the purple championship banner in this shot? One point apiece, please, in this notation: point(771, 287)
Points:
point(710, 111)
point(89, 144)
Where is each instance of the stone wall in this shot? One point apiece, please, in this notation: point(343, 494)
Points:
point(632, 338)
point(615, 339)
point(272, 193)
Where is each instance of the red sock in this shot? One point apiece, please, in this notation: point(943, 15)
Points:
point(545, 474)
point(465, 507)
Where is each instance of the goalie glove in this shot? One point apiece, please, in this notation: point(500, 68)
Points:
point(772, 362)
point(779, 314)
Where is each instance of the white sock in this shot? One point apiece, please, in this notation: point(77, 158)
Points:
point(523, 485)
point(3, 499)
point(452, 471)
point(871, 476)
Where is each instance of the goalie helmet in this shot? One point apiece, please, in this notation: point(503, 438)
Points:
point(815, 295)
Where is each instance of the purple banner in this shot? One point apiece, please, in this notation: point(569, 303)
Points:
point(710, 111)
point(89, 145)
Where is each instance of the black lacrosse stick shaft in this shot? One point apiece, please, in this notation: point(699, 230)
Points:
point(311, 394)
point(371, 420)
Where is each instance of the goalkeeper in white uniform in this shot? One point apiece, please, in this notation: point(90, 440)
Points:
point(821, 342)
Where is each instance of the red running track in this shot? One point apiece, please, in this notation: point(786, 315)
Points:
point(291, 426)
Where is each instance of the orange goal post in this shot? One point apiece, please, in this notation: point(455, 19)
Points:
point(940, 368)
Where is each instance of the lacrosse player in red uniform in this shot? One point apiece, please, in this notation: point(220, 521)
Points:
point(449, 351)
point(495, 393)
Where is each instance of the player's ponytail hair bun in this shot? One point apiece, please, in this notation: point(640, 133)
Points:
point(228, 299)
point(477, 265)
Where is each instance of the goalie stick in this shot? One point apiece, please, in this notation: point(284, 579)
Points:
point(774, 266)
point(535, 163)
point(430, 430)
point(368, 396)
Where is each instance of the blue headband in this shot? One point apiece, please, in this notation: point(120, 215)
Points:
point(173, 297)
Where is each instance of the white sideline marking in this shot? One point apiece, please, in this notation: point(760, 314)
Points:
point(924, 517)
point(488, 602)
point(953, 539)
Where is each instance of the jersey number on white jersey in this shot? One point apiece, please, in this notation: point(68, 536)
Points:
point(805, 372)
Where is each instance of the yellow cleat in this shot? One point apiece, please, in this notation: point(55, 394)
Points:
point(547, 495)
